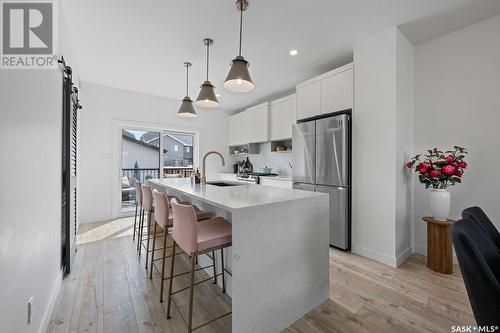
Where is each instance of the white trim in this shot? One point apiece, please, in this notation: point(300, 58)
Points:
point(401, 258)
point(380, 257)
point(282, 99)
point(325, 75)
point(118, 125)
point(44, 324)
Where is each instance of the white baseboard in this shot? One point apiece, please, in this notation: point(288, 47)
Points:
point(403, 256)
point(50, 307)
point(380, 257)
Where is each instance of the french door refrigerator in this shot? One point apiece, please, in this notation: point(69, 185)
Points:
point(322, 163)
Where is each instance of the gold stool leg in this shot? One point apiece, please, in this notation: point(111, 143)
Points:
point(215, 270)
point(149, 236)
point(223, 271)
point(169, 301)
point(165, 232)
point(191, 293)
point(152, 253)
point(135, 221)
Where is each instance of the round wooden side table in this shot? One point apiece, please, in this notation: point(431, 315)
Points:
point(439, 245)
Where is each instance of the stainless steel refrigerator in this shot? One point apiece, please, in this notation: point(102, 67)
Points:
point(322, 163)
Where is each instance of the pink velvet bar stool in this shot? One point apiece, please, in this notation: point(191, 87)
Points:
point(164, 218)
point(196, 238)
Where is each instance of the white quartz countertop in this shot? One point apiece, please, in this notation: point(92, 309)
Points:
point(233, 197)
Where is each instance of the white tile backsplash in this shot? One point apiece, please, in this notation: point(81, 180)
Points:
point(279, 162)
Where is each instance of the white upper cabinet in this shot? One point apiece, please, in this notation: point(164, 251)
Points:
point(257, 123)
point(337, 92)
point(250, 126)
point(233, 130)
point(282, 118)
point(329, 92)
point(308, 100)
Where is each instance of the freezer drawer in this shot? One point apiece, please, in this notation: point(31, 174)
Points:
point(339, 215)
point(304, 152)
point(332, 151)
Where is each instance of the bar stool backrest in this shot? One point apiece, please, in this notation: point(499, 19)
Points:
point(161, 208)
point(185, 232)
point(147, 198)
point(138, 191)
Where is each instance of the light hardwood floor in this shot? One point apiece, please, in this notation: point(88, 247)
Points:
point(109, 291)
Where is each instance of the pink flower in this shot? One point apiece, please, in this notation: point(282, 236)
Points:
point(421, 169)
point(462, 164)
point(434, 173)
point(409, 165)
point(449, 169)
point(458, 174)
point(428, 165)
point(449, 158)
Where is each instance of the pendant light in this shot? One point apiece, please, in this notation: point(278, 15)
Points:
point(187, 109)
point(238, 79)
point(206, 97)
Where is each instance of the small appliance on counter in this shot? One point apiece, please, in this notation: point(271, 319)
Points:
point(253, 177)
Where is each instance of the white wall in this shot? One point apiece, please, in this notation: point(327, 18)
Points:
point(382, 114)
point(30, 195)
point(458, 103)
point(405, 121)
point(104, 109)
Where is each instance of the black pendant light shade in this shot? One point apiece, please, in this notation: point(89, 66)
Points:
point(187, 109)
point(238, 79)
point(206, 97)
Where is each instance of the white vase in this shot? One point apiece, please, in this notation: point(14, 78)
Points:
point(440, 204)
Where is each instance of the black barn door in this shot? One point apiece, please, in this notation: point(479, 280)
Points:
point(69, 225)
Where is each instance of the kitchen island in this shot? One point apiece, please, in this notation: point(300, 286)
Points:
point(279, 259)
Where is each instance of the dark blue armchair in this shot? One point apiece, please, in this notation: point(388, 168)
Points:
point(479, 261)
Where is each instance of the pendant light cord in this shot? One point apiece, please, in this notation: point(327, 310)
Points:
point(241, 25)
point(187, 80)
point(208, 51)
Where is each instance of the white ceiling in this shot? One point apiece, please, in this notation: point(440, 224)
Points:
point(141, 45)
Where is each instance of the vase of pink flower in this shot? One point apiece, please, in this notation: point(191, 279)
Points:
point(438, 170)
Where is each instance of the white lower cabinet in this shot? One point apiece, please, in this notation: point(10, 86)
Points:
point(283, 183)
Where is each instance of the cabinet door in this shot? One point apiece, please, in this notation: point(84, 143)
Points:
point(288, 115)
point(309, 100)
point(231, 131)
point(236, 136)
point(275, 119)
point(337, 92)
point(244, 128)
point(256, 123)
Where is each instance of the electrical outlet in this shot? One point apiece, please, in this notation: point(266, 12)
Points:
point(30, 309)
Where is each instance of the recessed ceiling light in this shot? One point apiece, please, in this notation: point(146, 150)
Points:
point(293, 52)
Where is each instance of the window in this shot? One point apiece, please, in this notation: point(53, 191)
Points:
point(178, 156)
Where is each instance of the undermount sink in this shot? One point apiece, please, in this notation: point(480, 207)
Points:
point(223, 184)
